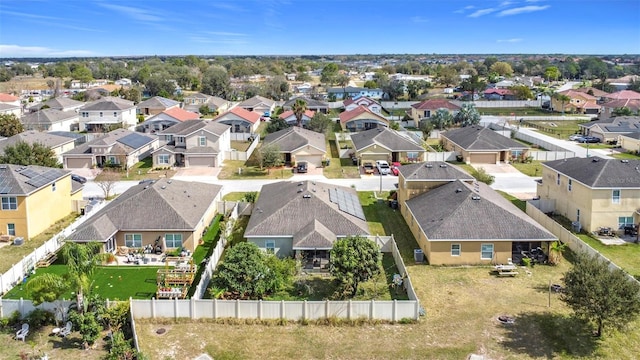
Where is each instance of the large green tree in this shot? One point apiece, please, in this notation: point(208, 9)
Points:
point(320, 123)
point(521, 92)
point(441, 119)
point(563, 99)
point(467, 116)
point(23, 153)
point(552, 73)
point(501, 68)
point(269, 156)
point(215, 81)
point(276, 124)
point(605, 297)
point(159, 84)
point(10, 125)
point(329, 74)
point(244, 272)
point(354, 260)
point(473, 85)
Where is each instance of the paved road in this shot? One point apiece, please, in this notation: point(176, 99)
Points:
point(566, 144)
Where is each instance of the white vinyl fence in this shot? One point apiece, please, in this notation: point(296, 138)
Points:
point(500, 103)
point(242, 155)
point(441, 156)
point(18, 272)
point(551, 155)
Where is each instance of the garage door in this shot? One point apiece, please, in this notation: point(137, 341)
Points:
point(483, 158)
point(315, 160)
point(202, 161)
point(374, 157)
point(78, 163)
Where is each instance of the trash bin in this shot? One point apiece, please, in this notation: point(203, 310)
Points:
point(418, 255)
point(328, 161)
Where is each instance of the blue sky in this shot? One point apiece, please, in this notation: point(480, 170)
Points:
point(66, 28)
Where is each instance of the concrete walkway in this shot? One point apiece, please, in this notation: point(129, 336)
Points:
point(510, 180)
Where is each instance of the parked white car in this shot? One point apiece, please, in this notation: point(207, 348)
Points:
point(383, 167)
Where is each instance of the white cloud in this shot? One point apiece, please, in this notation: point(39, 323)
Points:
point(419, 19)
point(40, 51)
point(523, 10)
point(468, 7)
point(514, 40)
point(132, 12)
point(482, 12)
point(224, 33)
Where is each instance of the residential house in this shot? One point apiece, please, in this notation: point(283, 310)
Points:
point(599, 94)
point(624, 82)
point(259, 104)
point(580, 102)
point(59, 103)
point(8, 109)
point(58, 144)
point(120, 147)
point(427, 108)
point(104, 113)
point(609, 107)
point(499, 94)
point(504, 84)
point(240, 120)
point(124, 82)
point(361, 118)
point(297, 144)
point(312, 104)
point(168, 213)
point(166, 119)
point(624, 95)
point(370, 104)
point(193, 143)
point(156, 105)
point(386, 144)
point(291, 119)
point(215, 104)
point(415, 179)
point(34, 198)
point(9, 99)
point(51, 120)
point(304, 218)
point(592, 191)
point(459, 223)
point(343, 93)
point(480, 145)
point(77, 84)
point(630, 142)
point(609, 129)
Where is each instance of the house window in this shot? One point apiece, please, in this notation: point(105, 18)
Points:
point(624, 221)
point(615, 196)
point(9, 203)
point(486, 251)
point(455, 249)
point(163, 159)
point(569, 185)
point(202, 141)
point(115, 114)
point(133, 240)
point(112, 159)
point(412, 156)
point(270, 246)
point(100, 113)
point(578, 215)
point(558, 179)
point(169, 138)
point(11, 229)
point(173, 240)
point(53, 187)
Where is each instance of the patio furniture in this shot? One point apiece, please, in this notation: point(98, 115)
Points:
point(47, 260)
point(66, 330)
point(506, 270)
point(23, 332)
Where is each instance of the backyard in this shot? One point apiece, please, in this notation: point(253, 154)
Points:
point(559, 128)
point(139, 171)
point(251, 170)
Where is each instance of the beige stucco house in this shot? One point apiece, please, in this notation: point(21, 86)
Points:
point(479, 145)
point(386, 144)
point(361, 118)
point(58, 144)
point(298, 144)
point(630, 142)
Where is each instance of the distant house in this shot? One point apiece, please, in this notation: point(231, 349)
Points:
point(58, 144)
point(195, 101)
point(592, 191)
point(34, 198)
point(599, 94)
point(370, 104)
point(479, 145)
point(624, 95)
point(361, 118)
point(166, 119)
point(101, 114)
point(119, 147)
point(386, 144)
point(610, 129)
point(51, 120)
point(59, 103)
point(193, 143)
point(169, 213)
point(312, 104)
point(581, 103)
point(8, 109)
point(630, 142)
point(240, 120)
point(624, 82)
point(258, 104)
point(499, 94)
point(291, 119)
point(609, 107)
point(425, 109)
point(297, 144)
point(123, 82)
point(156, 105)
point(304, 218)
point(343, 93)
point(9, 99)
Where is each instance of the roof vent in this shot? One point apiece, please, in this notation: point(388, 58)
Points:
point(2, 167)
point(300, 183)
point(300, 190)
point(146, 187)
point(163, 187)
point(306, 196)
point(622, 161)
point(428, 165)
point(314, 189)
point(458, 190)
point(169, 181)
point(443, 165)
point(475, 197)
point(595, 160)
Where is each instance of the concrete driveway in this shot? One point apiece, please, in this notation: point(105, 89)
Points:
point(510, 180)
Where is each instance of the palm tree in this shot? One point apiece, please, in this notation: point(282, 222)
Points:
point(563, 99)
point(299, 108)
point(442, 118)
point(555, 252)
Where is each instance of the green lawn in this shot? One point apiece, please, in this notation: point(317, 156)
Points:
point(597, 146)
point(626, 256)
point(516, 111)
point(234, 196)
point(139, 171)
point(230, 171)
point(626, 156)
point(339, 168)
point(521, 204)
point(533, 168)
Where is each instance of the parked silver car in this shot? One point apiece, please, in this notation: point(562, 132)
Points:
point(383, 167)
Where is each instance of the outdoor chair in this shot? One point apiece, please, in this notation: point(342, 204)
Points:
point(23, 332)
point(66, 330)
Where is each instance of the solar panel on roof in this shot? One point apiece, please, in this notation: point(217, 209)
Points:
point(38, 181)
point(347, 202)
point(134, 140)
point(28, 173)
point(51, 174)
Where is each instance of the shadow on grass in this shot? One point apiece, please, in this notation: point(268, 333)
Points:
point(67, 343)
point(334, 149)
point(545, 335)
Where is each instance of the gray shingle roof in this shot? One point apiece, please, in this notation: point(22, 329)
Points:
point(456, 212)
point(32, 136)
point(434, 170)
point(188, 127)
point(256, 100)
point(596, 172)
point(634, 135)
point(59, 103)
point(294, 137)
point(163, 205)
point(480, 138)
point(313, 236)
point(282, 210)
point(112, 138)
point(619, 124)
point(47, 116)
point(109, 104)
point(385, 137)
point(14, 179)
point(157, 102)
point(311, 103)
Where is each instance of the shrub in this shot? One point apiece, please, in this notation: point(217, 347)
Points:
point(481, 175)
point(39, 318)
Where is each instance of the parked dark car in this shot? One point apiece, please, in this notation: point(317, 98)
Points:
point(78, 178)
point(590, 139)
point(302, 167)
